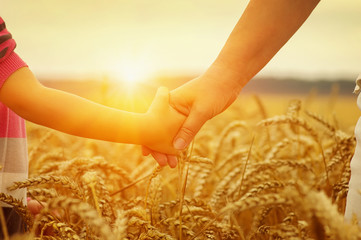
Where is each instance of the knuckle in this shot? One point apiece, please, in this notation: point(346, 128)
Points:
point(202, 113)
point(162, 160)
point(188, 132)
point(184, 110)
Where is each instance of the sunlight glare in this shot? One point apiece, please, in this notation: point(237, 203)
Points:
point(129, 77)
point(131, 73)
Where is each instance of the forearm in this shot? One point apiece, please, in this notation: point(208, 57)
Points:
point(67, 112)
point(78, 116)
point(263, 29)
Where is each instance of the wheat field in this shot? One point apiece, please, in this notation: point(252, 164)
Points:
point(276, 169)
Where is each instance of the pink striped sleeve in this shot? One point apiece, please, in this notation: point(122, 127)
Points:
point(12, 126)
point(9, 60)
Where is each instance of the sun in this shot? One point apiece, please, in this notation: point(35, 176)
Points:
point(130, 81)
point(132, 73)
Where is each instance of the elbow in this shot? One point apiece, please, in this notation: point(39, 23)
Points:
point(21, 92)
point(28, 106)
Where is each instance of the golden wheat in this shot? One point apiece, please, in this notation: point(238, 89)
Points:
point(250, 177)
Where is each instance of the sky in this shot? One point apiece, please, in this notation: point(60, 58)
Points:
point(67, 38)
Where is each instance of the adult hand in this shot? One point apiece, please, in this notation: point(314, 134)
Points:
point(200, 100)
point(262, 30)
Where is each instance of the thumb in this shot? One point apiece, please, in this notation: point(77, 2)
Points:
point(189, 129)
point(161, 98)
point(145, 151)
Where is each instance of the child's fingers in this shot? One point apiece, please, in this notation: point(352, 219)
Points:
point(172, 161)
point(145, 151)
point(34, 207)
point(160, 158)
point(161, 98)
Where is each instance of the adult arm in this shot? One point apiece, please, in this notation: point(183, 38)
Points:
point(262, 30)
point(264, 27)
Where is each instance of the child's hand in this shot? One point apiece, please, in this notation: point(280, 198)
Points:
point(161, 158)
point(162, 124)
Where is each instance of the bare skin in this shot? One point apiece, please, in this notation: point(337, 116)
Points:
point(264, 27)
point(262, 30)
point(74, 115)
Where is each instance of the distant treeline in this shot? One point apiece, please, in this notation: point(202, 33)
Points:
point(298, 86)
point(256, 86)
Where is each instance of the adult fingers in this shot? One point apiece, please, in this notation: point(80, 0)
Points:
point(189, 129)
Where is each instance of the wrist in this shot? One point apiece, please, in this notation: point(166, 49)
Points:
point(221, 71)
point(132, 128)
point(144, 124)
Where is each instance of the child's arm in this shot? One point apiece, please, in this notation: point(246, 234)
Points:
point(78, 116)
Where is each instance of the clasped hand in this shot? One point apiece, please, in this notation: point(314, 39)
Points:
point(196, 102)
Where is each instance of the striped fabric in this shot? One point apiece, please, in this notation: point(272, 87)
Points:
point(353, 195)
point(13, 148)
